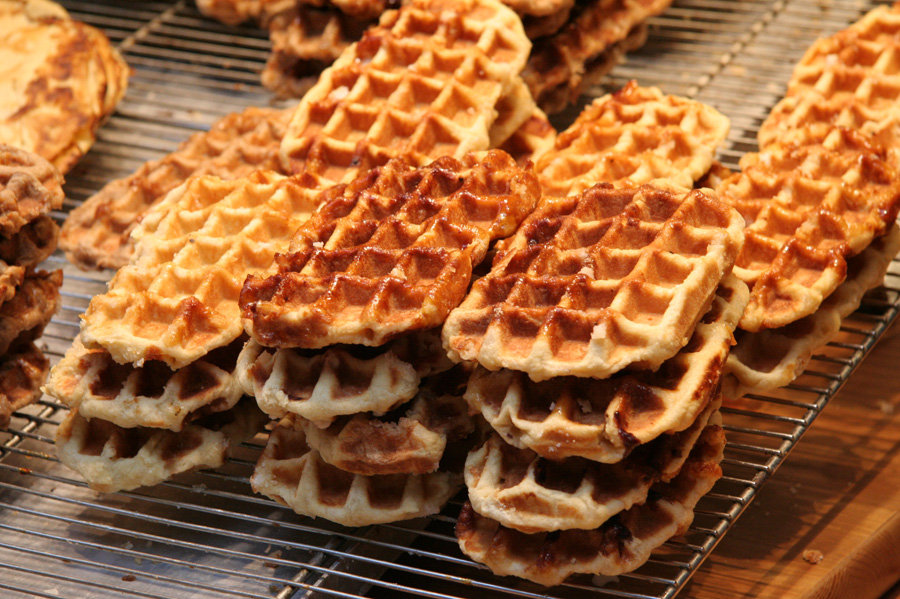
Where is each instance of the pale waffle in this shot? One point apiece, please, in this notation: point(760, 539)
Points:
point(178, 297)
point(97, 234)
point(22, 372)
point(558, 62)
point(36, 300)
point(30, 187)
point(604, 419)
point(631, 137)
point(524, 491)
point(621, 544)
point(772, 358)
point(411, 439)
point(62, 78)
point(391, 252)
point(535, 137)
point(293, 474)
point(422, 84)
point(513, 110)
point(593, 283)
point(153, 395)
point(112, 458)
point(325, 384)
point(807, 207)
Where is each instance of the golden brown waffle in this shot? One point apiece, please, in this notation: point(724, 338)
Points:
point(323, 385)
point(22, 372)
point(513, 111)
point(411, 439)
point(389, 253)
point(808, 207)
point(23, 318)
point(177, 298)
point(531, 140)
point(593, 283)
point(715, 176)
point(11, 276)
point(294, 475)
point(152, 395)
point(558, 62)
point(604, 419)
point(633, 136)
point(521, 490)
point(423, 84)
point(30, 187)
point(32, 244)
point(97, 233)
point(621, 544)
point(62, 79)
point(231, 12)
point(772, 358)
point(112, 458)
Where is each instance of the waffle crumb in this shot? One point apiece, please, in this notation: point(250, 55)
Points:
point(813, 556)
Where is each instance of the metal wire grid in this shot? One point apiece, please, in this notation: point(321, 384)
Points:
point(206, 534)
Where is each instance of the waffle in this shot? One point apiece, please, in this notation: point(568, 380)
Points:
point(23, 318)
point(323, 385)
point(603, 420)
point(151, 396)
point(97, 234)
point(621, 544)
point(32, 244)
point(772, 358)
point(423, 84)
point(558, 62)
point(521, 490)
point(294, 475)
point(231, 12)
point(513, 110)
point(112, 458)
point(22, 371)
point(411, 439)
point(808, 207)
point(632, 137)
point(390, 253)
point(62, 78)
point(177, 298)
point(593, 283)
point(11, 276)
point(531, 140)
point(30, 187)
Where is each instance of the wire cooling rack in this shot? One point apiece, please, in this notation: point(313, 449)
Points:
point(205, 534)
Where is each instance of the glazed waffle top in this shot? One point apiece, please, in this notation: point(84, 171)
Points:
point(30, 187)
point(178, 297)
point(808, 207)
point(604, 419)
point(391, 252)
point(632, 137)
point(593, 283)
point(423, 84)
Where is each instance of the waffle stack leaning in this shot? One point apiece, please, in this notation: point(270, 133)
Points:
point(820, 199)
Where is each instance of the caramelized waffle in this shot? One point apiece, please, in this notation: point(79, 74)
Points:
point(521, 490)
point(389, 253)
point(593, 283)
point(604, 419)
point(807, 207)
point(323, 385)
point(62, 78)
point(112, 458)
point(30, 187)
point(535, 137)
point(32, 244)
point(23, 318)
point(293, 474)
point(97, 234)
point(772, 358)
point(632, 137)
point(22, 371)
point(620, 545)
point(177, 298)
point(422, 84)
point(152, 395)
point(231, 12)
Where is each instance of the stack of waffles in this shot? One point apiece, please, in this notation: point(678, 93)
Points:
point(575, 43)
point(30, 187)
point(820, 199)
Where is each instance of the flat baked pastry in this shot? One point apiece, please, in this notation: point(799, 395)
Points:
point(597, 282)
point(23, 370)
point(621, 544)
point(178, 297)
point(30, 187)
point(605, 419)
point(61, 79)
point(392, 252)
point(36, 300)
point(631, 137)
point(531, 140)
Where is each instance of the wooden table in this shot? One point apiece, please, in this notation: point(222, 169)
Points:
point(837, 493)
